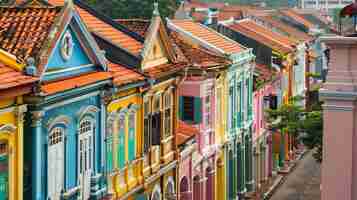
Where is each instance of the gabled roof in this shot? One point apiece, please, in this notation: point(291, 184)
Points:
point(123, 75)
point(185, 132)
point(25, 30)
point(291, 31)
point(205, 35)
point(298, 18)
point(107, 28)
point(252, 30)
point(197, 56)
point(140, 26)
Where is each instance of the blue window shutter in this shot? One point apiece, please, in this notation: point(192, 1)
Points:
point(181, 107)
point(197, 110)
point(110, 154)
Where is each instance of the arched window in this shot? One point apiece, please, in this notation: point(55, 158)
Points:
point(55, 162)
point(170, 189)
point(4, 170)
point(156, 194)
point(85, 158)
point(109, 142)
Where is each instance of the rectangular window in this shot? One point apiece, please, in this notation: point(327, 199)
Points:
point(121, 143)
point(132, 136)
point(168, 114)
point(231, 105)
point(156, 121)
point(188, 109)
point(208, 111)
point(147, 125)
point(218, 106)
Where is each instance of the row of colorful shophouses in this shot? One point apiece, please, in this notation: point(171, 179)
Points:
point(96, 108)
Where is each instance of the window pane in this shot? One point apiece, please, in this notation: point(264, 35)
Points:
point(188, 108)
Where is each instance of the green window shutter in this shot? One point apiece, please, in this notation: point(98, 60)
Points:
point(121, 149)
point(131, 144)
point(110, 154)
point(198, 110)
point(181, 107)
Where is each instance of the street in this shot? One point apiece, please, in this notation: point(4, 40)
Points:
point(303, 183)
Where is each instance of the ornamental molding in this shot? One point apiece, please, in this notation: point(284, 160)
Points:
point(87, 110)
point(7, 128)
point(62, 119)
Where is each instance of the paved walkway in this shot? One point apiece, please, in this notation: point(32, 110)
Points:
point(303, 183)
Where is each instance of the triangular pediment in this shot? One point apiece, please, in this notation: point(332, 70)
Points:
point(75, 53)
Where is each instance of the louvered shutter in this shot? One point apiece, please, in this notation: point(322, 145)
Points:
point(197, 110)
point(109, 159)
point(121, 148)
point(131, 141)
point(181, 107)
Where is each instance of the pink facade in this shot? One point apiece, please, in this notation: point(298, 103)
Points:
point(339, 93)
point(185, 173)
point(203, 161)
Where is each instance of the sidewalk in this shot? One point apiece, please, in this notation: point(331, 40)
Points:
point(268, 189)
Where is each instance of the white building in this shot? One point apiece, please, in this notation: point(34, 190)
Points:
point(324, 4)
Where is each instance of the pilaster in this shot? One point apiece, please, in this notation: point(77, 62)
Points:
point(38, 175)
point(20, 112)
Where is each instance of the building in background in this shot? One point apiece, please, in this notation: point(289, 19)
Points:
point(238, 86)
point(324, 4)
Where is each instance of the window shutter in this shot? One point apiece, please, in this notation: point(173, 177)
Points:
point(121, 149)
point(181, 107)
point(156, 129)
point(197, 110)
point(110, 154)
point(131, 143)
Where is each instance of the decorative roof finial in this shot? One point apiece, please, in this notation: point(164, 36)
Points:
point(156, 9)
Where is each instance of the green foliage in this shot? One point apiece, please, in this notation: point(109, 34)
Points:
point(129, 9)
point(306, 125)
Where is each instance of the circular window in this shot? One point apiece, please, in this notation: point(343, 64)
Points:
point(67, 46)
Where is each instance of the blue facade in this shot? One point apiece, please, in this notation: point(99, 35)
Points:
point(64, 155)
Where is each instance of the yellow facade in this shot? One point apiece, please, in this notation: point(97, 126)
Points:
point(11, 144)
point(122, 181)
point(221, 139)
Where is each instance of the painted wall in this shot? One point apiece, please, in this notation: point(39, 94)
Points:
point(11, 137)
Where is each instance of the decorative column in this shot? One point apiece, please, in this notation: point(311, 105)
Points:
point(38, 175)
point(20, 149)
point(339, 93)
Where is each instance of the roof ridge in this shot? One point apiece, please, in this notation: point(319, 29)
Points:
point(108, 20)
point(271, 38)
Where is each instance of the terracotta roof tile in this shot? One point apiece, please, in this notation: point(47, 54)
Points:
point(209, 35)
point(107, 31)
point(184, 132)
point(198, 56)
point(122, 75)
point(139, 26)
point(297, 17)
point(297, 34)
point(25, 29)
point(263, 35)
point(164, 69)
point(71, 83)
point(9, 78)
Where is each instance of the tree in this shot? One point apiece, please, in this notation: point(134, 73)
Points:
point(306, 125)
point(130, 9)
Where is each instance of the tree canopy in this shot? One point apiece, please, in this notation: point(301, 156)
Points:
point(129, 9)
point(307, 125)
